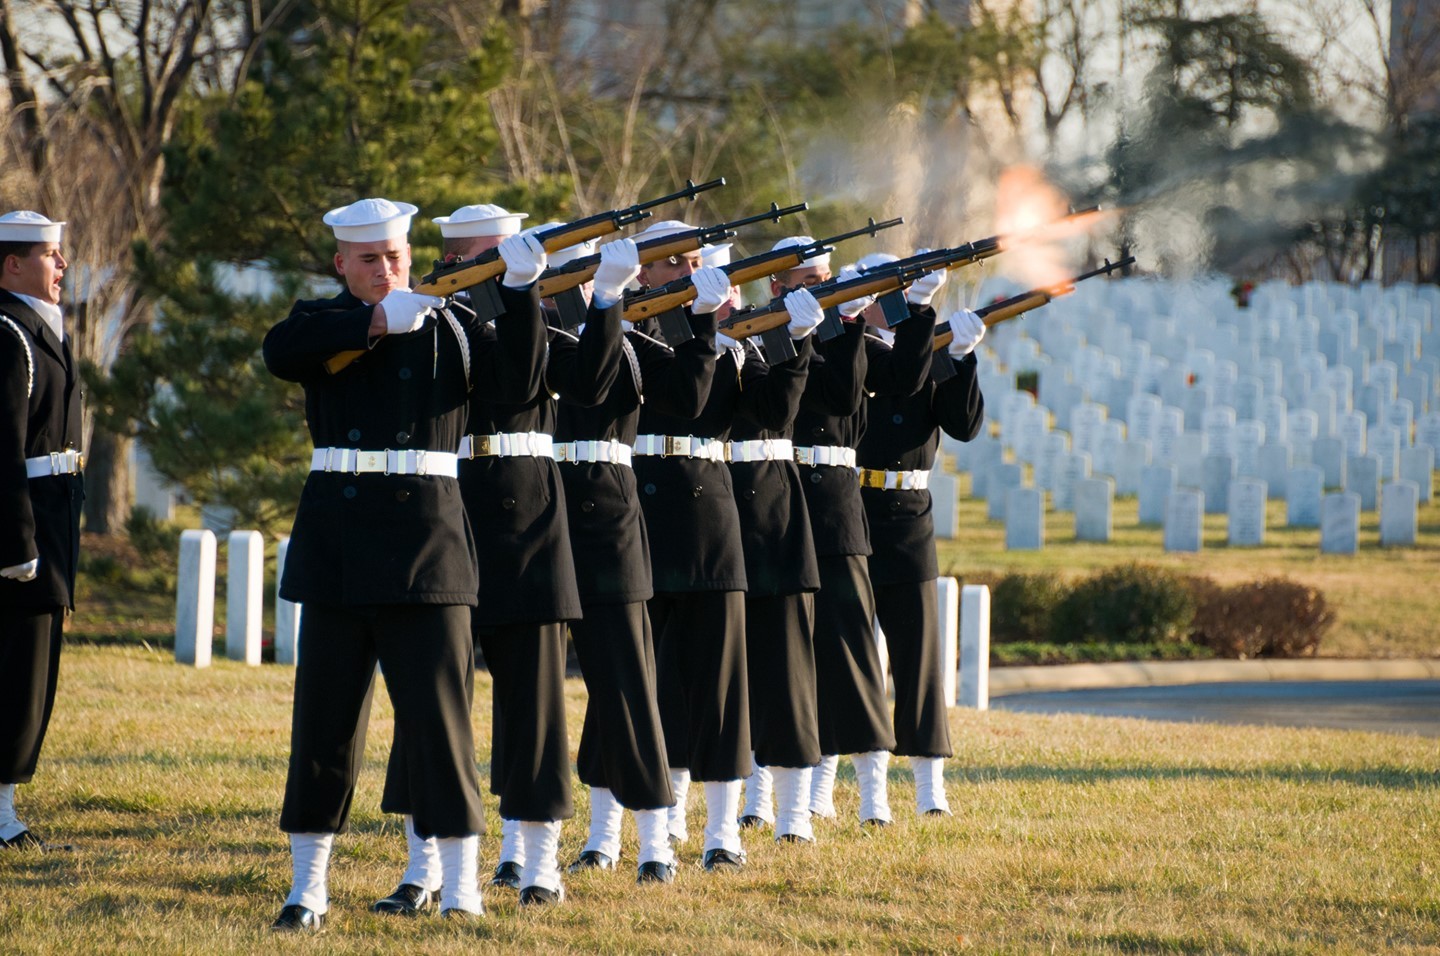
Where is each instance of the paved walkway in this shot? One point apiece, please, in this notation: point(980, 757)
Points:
point(1384, 696)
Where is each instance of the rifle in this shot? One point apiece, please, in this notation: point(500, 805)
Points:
point(555, 283)
point(886, 282)
point(1016, 305)
point(446, 280)
point(666, 301)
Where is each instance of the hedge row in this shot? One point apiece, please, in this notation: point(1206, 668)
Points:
point(1139, 606)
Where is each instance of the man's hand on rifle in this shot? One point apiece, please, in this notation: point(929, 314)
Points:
point(968, 329)
point(923, 289)
point(805, 313)
point(855, 306)
point(619, 265)
point(525, 259)
point(406, 311)
point(712, 290)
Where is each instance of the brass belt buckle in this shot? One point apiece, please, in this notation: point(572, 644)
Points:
point(486, 446)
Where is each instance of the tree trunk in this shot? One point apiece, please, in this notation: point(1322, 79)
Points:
point(108, 497)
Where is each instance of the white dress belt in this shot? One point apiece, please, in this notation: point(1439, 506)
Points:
point(675, 446)
point(611, 450)
point(56, 463)
point(390, 461)
point(839, 455)
point(508, 445)
point(762, 449)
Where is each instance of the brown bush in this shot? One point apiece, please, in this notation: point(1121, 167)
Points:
point(1269, 618)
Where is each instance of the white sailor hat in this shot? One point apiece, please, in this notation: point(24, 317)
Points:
point(22, 225)
point(875, 259)
point(820, 261)
point(663, 229)
point(578, 251)
point(482, 219)
point(715, 256)
point(370, 220)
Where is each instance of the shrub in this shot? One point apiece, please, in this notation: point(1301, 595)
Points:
point(1270, 618)
point(1132, 603)
point(1021, 606)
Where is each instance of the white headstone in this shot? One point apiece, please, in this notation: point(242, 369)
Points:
point(1427, 431)
point(1093, 506)
point(1362, 477)
point(1086, 428)
point(244, 596)
point(1249, 439)
point(1024, 519)
point(287, 613)
point(1400, 415)
point(1249, 393)
point(1247, 512)
point(1217, 472)
point(1275, 466)
point(945, 498)
point(1143, 417)
point(1352, 429)
point(1196, 400)
point(1169, 430)
point(195, 598)
point(1303, 490)
point(1383, 441)
point(1418, 465)
point(1368, 401)
point(975, 646)
point(1415, 388)
point(1131, 460)
point(1275, 416)
point(1075, 468)
point(1398, 517)
point(1156, 484)
point(1339, 523)
point(1004, 478)
point(1328, 454)
point(1184, 520)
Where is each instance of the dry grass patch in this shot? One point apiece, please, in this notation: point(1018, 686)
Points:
point(1070, 834)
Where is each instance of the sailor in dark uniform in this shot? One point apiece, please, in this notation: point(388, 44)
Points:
point(40, 496)
point(622, 754)
point(511, 486)
point(853, 711)
point(779, 603)
point(697, 560)
point(381, 555)
point(895, 457)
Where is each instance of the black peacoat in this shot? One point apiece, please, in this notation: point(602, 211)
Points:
point(391, 539)
point(40, 405)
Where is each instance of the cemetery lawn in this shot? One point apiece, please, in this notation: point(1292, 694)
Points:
point(1070, 834)
point(1386, 600)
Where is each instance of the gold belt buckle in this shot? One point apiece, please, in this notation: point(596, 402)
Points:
point(673, 447)
point(870, 478)
point(481, 445)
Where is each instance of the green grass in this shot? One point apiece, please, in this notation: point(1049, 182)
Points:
point(1070, 834)
point(1385, 599)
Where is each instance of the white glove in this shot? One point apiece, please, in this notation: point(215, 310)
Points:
point(855, 306)
point(619, 265)
point(923, 289)
point(712, 290)
point(406, 311)
point(723, 342)
point(967, 329)
point(524, 259)
point(805, 313)
point(22, 572)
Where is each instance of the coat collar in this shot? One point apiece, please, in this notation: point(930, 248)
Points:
point(16, 307)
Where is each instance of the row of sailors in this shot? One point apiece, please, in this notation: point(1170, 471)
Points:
point(719, 582)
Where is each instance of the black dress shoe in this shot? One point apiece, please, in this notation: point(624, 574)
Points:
point(591, 860)
point(751, 822)
point(655, 872)
point(721, 859)
point(793, 838)
point(27, 840)
point(298, 919)
point(937, 812)
point(507, 874)
point(456, 915)
point(540, 896)
point(409, 899)
point(874, 823)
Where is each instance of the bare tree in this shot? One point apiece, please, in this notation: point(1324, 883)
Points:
point(94, 91)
